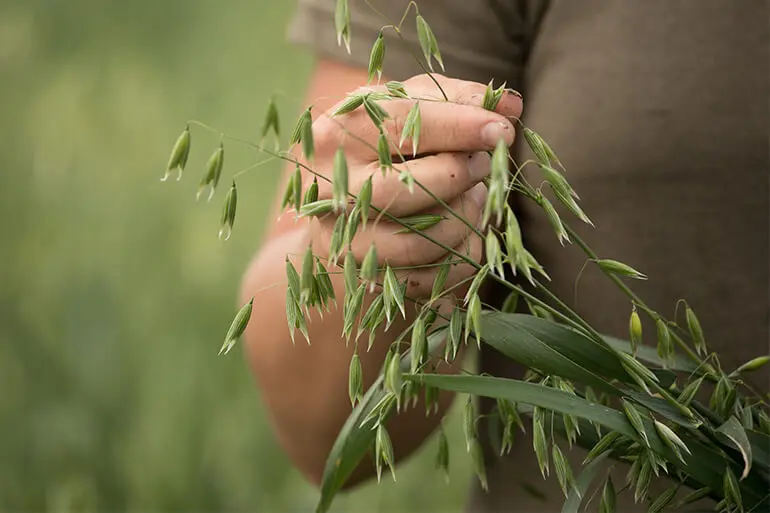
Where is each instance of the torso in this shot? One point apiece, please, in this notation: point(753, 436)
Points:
point(659, 111)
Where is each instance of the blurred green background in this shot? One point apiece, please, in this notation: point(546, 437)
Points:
point(114, 290)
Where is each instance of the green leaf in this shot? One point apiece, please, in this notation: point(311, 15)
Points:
point(557, 349)
point(733, 430)
point(761, 444)
point(553, 349)
point(354, 439)
point(705, 464)
point(582, 483)
point(537, 395)
point(649, 354)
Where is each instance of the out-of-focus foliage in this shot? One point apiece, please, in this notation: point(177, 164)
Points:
point(114, 290)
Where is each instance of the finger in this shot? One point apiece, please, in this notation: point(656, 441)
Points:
point(409, 249)
point(445, 175)
point(460, 91)
point(464, 92)
point(445, 126)
point(420, 281)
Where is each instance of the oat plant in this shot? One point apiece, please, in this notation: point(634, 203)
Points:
point(623, 400)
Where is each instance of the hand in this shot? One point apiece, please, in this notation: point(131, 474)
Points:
point(451, 163)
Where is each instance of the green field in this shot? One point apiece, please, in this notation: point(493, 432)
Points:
point(114, 290)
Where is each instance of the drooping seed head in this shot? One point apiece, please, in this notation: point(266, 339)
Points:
point(377, 57)
point(213, 173)
point(228, 213)
point(671, 439)
point(689, 391)
point(492, 96)
point(288, 194)
point(607, 504)
point(316, 208)
point(375, 111)
point(606, 443)
point(340, 180)
point(696, 331)
point(296, 178)
point(732, 490)
point(455, 330)
point(355, 380)
point(369, 267)
point(351, 309)
point(364, 200)
point(307, 277)
point(393, 377)
point(384, 452)
point(473, 319)
point(396, 89)
point(383, 153)
point(540, 443)
point(663, 500)
point(428, 43)
point(342, 23)
point(635, 419)
point(619, 268)
point(350, 104)
point(303, 132)
point(439, 281)
point(469, 423)
point(665, 347)
point(237, 326)
point(635, 329)
point(419, 222)
point(325, 286)
point(351, 228)
point(563, 471)
point(479, 468)
point(442, 458)
point(179, 153)
point(554, 219)
point(494, 253)
point(271, 122)
point(753, 364)
point(393, 293)
point(412, 127)
point(350, 271)
point(419, 347)
point(535, 143)
point(311, 194)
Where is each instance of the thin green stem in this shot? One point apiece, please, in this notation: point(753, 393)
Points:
point(397, 30)
point(585, 325)
point(406, 11)
point(252, 167)
point(631, 294)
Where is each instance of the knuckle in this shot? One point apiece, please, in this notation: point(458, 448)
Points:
point(469, 94)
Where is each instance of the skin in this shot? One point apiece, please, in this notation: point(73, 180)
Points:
point(304, 387)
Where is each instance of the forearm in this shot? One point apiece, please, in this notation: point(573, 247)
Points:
point(305, 386)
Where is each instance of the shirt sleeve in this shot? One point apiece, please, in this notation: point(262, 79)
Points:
point(479, 40)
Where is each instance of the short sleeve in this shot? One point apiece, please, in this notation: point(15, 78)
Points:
point(478, 42)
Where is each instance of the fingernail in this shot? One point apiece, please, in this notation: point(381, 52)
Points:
point(478, 165)
point(495, 131)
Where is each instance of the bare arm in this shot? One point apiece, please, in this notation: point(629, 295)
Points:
point(305, 386)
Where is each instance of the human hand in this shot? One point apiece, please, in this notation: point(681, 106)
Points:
point(451, 163)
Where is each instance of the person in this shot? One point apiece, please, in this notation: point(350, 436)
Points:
point(657, 109)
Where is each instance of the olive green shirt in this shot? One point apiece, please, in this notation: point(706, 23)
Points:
point(659, 110)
